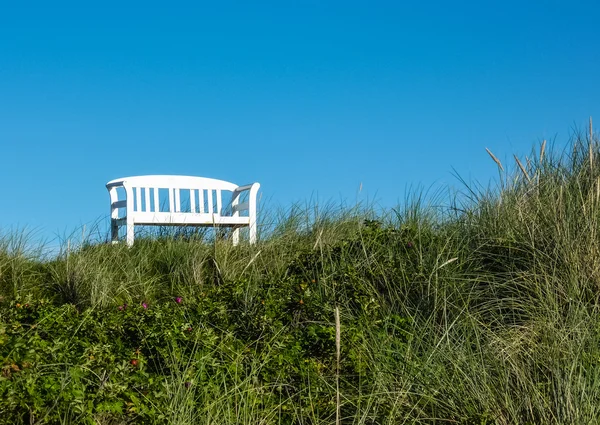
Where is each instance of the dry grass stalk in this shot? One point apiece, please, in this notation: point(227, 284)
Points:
point(591, 151)
point(523, 170)
point(539, 168)
point(318, 241)
point(542, 150)
point(452, 260)
point(338, 343)
point(496, 160)
point(251, 261)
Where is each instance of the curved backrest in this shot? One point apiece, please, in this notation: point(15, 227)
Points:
point(175, 182)
point(143, 193)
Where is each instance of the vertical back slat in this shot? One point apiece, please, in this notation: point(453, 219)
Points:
point(156, 207)
point(177, 199)
point(210, 201)
point(147, 199)
point(193, 200)
point(171, 209)
point(138, 199)
point(219, 205)
point(201, 201)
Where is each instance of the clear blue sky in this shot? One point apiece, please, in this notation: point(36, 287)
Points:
point(310, 98)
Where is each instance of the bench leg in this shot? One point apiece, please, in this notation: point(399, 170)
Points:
point(252, 232)
point(114, 231)
point(130, 233)
point(235, 236)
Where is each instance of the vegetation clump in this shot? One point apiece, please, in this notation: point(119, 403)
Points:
point(481, 312)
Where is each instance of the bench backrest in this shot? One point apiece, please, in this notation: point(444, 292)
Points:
point(200, 194)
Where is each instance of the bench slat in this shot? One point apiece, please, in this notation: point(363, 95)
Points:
point(210, 201)
point(177, 200)
point(192, 200)
point(171, 202)
point(186, 219)
point(156, 207)
point(219, 204)
point(120, 204)
point(201, 201)
point(138, 199)
point(147, 199)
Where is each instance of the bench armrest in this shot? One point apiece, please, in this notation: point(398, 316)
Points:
point(115, 203)
point(112, 189)
point(114, 183)
point(247, 187)
point(250, 205)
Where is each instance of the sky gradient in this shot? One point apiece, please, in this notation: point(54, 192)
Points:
point(311, 99)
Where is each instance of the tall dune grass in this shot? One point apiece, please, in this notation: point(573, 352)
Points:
point(481, 312)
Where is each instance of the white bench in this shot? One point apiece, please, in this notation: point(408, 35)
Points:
point(164, 200)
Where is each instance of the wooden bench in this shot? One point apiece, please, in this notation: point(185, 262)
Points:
point(163, 200)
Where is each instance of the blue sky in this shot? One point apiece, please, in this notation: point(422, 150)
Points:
point(309, 98)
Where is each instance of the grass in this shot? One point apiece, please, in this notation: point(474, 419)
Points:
point(481, 312)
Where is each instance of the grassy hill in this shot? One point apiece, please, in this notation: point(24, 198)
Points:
point(485, 311)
